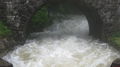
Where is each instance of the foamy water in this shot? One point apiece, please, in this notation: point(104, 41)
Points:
point(64, 44)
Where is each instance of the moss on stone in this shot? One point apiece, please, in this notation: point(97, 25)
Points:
point(41, 15)
point(115, 38)
point(4, 31)
point(40, 19)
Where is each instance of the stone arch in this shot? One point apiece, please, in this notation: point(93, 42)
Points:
point(25, 11)
point(100, 14)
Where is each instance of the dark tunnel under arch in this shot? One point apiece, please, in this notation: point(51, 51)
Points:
point(94, 20)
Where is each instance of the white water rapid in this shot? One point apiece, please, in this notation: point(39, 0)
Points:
point(65, 44)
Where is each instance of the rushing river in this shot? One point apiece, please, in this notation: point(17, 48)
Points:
point(65, 44)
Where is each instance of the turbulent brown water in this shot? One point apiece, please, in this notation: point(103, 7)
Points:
point(64, 44)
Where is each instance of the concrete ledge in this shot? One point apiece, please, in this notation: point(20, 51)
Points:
point(4, 63)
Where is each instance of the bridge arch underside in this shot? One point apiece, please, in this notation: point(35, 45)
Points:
point(94, 20)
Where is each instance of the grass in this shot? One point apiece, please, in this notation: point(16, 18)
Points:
point(4, 31)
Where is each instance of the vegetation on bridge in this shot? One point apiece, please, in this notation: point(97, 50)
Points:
point(4, 31)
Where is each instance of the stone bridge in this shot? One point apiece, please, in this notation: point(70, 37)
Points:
point(103, 15)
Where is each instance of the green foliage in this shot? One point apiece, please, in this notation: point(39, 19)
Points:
point(4, 31)
point(40, 19)
point(115, 38)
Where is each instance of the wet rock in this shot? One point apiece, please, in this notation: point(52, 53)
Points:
point(4, 63)
point(116, 63)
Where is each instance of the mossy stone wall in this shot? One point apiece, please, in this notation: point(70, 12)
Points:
point(4, 30)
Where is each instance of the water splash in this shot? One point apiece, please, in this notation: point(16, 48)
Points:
point(64, 44)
